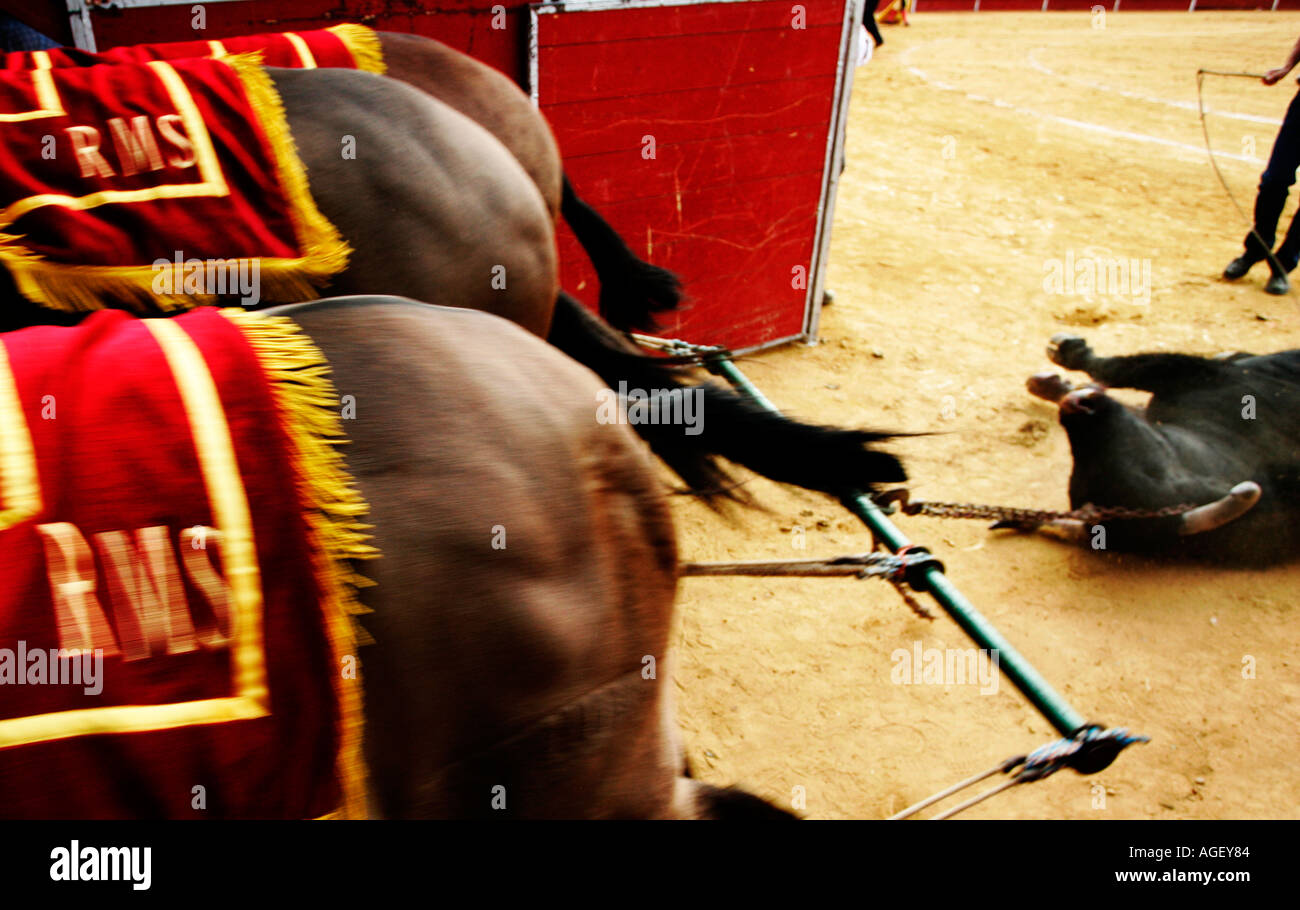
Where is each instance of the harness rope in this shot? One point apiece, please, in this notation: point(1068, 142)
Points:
point(906, 567)
point(1205, 131)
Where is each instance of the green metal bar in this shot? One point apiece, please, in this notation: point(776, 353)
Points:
point(1020, 671)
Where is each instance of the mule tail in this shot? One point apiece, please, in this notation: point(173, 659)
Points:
point(727, 425)
point(733, 805)
point(631, 289)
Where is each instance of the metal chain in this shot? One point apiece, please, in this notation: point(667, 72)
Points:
point(1089, 514)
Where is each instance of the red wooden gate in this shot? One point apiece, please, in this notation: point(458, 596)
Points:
point(706, 133)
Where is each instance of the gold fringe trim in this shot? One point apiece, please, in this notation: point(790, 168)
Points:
point(325, 252)
point(334, 512)
point(80, 288)
point(364, 46)
point(84, 288)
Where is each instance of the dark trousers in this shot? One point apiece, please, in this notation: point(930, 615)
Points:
point(1274, 185)
point(15, 36)
point(869, 20)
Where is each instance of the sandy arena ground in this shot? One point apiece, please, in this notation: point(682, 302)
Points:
point(981, 148)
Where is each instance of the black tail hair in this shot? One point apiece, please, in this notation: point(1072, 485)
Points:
point(827, 459)
point(631, 289)
point(733, 804)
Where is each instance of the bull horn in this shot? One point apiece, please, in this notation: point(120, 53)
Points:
point(1240, 500)
point(1070, 530)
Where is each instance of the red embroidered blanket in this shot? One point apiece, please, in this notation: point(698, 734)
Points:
point(345, 46)
point(154, 187)
point(174, 631)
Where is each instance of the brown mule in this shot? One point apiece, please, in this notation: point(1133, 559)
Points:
point(529, 678)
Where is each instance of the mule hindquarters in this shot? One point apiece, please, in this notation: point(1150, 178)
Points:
point(485, 95)
point(528, 572)
point(434, 207)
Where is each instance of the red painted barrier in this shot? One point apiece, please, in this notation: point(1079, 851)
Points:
point(701, 132)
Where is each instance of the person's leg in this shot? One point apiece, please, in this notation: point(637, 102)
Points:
point(869, 20)
point(1274, 186)
point(15, 36)
point(1288, 254)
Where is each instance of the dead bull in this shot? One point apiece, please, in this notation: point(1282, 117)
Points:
point(1221, 434)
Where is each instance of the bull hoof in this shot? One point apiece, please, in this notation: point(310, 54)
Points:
point(1049, 386)
point(1082, 401)
point(1069, 351)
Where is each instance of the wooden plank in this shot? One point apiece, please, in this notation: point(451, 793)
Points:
point(742, 314)
point(727, 210)
point(607, 125)
point(735, 248)
point(739, 104)
point(580, 73)
point(735, 311)
point(783, 247)
point(697, 166)
point(778, 241)
point(719, 19)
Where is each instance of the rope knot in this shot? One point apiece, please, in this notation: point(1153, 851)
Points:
point(913, 563)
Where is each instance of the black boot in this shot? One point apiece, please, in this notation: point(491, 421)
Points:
point(1278, 284)
point(1238, 267)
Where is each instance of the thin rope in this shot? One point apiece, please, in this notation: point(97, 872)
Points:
point(1002, 768)
point(864, 565)
point(859, 566)
point(1226, 73)
point(902, 569)
point(1205, 131)
point(1088, 751)
point(976, 800)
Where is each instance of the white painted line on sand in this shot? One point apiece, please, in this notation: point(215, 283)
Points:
point(1150, 99)
point(1082, 125)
